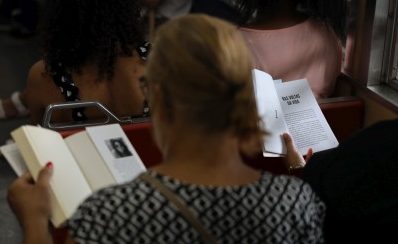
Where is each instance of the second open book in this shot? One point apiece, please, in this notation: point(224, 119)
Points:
point(291, 107)
point(83, 163)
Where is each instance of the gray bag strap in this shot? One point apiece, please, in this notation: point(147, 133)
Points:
point(179, 203)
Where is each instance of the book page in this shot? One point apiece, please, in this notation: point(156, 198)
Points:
point(14, 158)
point(304, 118)
point(90, 161)
point(270, 111)
point(115, 148)
point(68, 185)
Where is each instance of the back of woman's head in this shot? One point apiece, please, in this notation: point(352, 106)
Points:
point(80, 32)
point(202, 68)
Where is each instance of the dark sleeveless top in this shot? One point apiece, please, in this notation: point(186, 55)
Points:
point(63, 80)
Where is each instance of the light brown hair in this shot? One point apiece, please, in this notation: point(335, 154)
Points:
point(203, 69)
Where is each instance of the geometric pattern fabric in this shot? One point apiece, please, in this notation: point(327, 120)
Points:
point(275, 209)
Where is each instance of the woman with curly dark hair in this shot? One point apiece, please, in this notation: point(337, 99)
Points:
point(93, 50)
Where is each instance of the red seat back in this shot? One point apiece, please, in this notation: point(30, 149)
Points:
point(345, 116)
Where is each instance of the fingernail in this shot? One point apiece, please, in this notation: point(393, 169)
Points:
point(49, 165)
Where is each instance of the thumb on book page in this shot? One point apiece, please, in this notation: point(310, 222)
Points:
point(45, 174)
point(293, 157)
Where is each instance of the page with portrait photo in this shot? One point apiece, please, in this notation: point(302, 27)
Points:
point(116, 150)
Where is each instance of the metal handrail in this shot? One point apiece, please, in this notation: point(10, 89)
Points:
point(110, 117)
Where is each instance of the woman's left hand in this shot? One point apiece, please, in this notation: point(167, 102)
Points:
point(31, 201)
point(293, 158)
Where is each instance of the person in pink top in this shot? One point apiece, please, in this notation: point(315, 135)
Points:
point(294, 39)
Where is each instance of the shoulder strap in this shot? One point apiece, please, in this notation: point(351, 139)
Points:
point(179, 203)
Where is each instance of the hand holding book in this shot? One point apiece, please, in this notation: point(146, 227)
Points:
point(83, 163)
point(34, 216)
point(294, 159)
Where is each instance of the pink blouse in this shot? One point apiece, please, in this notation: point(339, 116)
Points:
point(307, 50)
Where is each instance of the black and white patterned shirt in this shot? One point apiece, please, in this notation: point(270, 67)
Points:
point(275, 209)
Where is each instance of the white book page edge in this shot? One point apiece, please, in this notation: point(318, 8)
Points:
point(270, 110)
point(13, 156)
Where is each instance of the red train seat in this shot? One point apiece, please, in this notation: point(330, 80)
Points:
point(344, 114)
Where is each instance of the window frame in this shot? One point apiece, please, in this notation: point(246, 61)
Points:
point(378, 23)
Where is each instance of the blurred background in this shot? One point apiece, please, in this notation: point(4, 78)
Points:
point(18, 52)
point(370, 69)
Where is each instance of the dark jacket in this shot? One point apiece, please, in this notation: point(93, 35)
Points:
point(358, 181)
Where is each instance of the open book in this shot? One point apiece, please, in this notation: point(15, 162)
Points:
point(83, 162)
point(291, 107)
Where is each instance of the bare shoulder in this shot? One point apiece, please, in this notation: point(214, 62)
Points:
point(40, 91)
point(38, 84)
point(322, 29)
point(37, 73)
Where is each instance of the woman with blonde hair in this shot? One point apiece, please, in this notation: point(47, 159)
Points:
point(204, 116)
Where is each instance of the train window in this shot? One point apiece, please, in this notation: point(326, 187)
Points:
point(381, 49)
point(391, 68)
point(376, 39)
point(393, 74)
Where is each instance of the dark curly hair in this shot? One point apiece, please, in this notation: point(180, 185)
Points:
point(77, 32)
point(332, 12)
